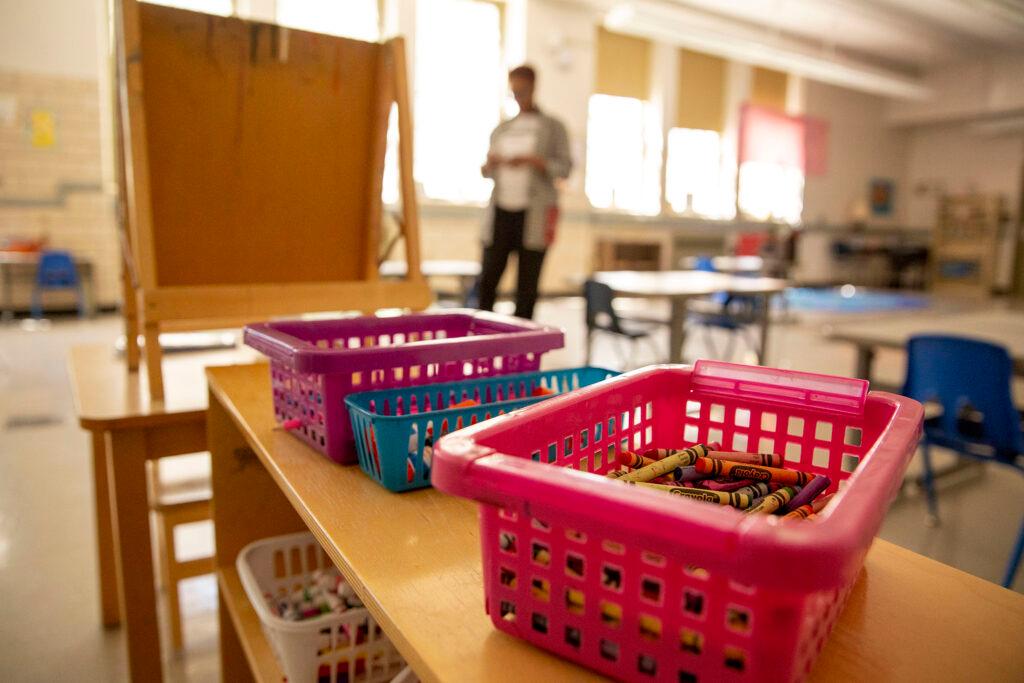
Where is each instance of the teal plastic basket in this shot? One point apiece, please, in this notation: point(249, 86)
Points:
point(395, 429)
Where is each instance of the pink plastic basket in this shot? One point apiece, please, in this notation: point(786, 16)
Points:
point(315, 364)
point(642, 586)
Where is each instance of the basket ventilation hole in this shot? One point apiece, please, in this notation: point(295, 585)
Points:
point(575, 600)
point(574, 565)
point(647, 665)
point(507, 542)
point(508, 610)
point(737, 619)
point(650, 627)
point(573, 637)
point(540, 554)
point(540, 589)
point(610, 650)
point(611, 577)
point(508, 578)
point(735, 659)
point(853, 436)
point(611, 614)
point(539, 622)
point(691, 641)
point(650, 590)
point(768, 422)
point(693, 603)
point(687, 677)
point(717, 413)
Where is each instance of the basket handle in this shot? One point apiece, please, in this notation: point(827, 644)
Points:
point(803, 389)
point(272, 343)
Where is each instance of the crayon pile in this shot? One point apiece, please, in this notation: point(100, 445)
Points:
point(758, 483)
point(327, 592)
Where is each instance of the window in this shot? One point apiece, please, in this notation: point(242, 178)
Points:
point(352, 18)
point(771, 172)
point(221, 7)
point(623, 154)
point(457, 99)
point(696, 181)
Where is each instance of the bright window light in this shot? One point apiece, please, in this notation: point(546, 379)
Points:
point(623, 155)
point(349, 18)
point(771, 191)
point(460, 85)
point(221, 7)
point(696, 180)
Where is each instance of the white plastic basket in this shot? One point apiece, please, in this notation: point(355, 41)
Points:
point(346, 647)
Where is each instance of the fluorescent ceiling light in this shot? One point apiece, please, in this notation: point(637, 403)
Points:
point(739, 42)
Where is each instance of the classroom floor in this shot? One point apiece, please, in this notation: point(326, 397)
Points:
point(49, 623)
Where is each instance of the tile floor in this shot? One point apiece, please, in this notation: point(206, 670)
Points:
point(49, 622)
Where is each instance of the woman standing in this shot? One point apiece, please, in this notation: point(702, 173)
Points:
point(526, 155)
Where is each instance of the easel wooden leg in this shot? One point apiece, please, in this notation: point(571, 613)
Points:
point(107, 557)
point(131, 322)
point(154, 357)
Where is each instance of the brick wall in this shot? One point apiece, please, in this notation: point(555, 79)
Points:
point(57, 191)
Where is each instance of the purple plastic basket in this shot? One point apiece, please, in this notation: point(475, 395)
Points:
point(315, 364)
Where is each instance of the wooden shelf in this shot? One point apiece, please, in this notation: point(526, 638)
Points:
point(262, 661)
point(414, 560)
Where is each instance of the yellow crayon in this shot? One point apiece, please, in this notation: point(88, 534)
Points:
point(616, 474)
point(774, 501)
point(667, 464)
point(736, 500)
point(763, 459)
point(738, 470)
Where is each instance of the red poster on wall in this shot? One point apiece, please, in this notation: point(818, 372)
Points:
point(773, 137)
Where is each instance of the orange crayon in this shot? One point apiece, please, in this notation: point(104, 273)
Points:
point(738, 470)
point(809, 510)
point(633, 460)
point(763, 459)
point(667, 464)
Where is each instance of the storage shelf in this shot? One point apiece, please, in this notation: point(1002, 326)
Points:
point(261, 657)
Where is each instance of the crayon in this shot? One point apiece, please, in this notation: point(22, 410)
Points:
point(662, 453)
point(615, 474)
point(684, 474)
point(773, 501)
point(763, 459)
point(757, 490)
point(667, 464)
point(633, 460)
point(724, 485)
point(809, 510)
point(737, 470)
point(719, 497)
point(811, 491)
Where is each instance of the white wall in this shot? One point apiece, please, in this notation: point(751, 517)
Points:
point(51, 37)
point(954, 157)
point(860, 147)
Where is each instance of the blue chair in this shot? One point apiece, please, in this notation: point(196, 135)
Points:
point(733, 313)
point(970, 380)
point(56, 270)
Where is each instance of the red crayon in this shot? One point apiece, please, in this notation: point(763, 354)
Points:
point(738, 470)
point(763, 459)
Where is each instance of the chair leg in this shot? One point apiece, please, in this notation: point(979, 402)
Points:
point(37, 303)
point(929, 485)
point(168, 560)
point(1014, 563)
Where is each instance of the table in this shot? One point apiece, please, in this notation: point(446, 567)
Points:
point(26, 261)
point(465, 271)
point(679, 286)
point(127, 429)
point(1002, 327)
point(414, 560)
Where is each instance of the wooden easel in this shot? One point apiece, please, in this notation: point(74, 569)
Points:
point(253, 158)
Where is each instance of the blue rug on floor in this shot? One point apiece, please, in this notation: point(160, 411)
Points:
point(848, 299)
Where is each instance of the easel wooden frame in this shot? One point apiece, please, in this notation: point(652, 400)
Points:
point(159, 296)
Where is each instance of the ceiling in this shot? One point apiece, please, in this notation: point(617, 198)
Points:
point(907, 35)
